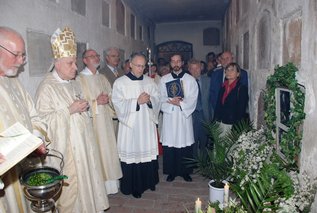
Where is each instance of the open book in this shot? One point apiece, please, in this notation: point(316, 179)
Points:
point(16, 143)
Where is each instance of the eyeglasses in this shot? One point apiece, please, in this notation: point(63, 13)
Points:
point(114, 56)
point(139, 65)
point(92, 56)
point(22, 55)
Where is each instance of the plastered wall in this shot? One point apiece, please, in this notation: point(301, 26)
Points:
point(279, 31)
point(191, 32)
point(45, 16)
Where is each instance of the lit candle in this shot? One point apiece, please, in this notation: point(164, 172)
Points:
point(197, 205)
point(226, 195)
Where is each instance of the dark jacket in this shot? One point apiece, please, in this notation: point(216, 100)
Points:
point(216, 80)
point(235, 105)
point(109, 74)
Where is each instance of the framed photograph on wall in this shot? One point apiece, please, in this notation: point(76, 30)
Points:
point(283, 115)
point(283, 105)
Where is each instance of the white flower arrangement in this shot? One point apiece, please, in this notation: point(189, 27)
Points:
point(233, 207)
point(304, 194)
point(248, 155)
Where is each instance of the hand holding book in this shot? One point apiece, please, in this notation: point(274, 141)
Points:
point(175, 88)
point(16, 143)
point(175, 101)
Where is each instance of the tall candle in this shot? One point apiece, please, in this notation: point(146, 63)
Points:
point(226, 195)
point(197, 205)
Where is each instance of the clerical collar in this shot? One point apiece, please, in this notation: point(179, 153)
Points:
point(56, 76)
point(87, 71)
point(179, 75)
point(133, 77)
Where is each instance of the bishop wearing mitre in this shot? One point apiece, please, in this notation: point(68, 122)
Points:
point(60, 104)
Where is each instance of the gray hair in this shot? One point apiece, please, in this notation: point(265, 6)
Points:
point(111, 49)
point(136, 54)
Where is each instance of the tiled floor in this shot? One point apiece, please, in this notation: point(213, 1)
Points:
point(169, 197)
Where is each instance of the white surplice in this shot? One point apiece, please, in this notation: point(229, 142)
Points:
point(73, 136)
point(177, 129)
point(137, 136)
point(16, 105)
point(93, 85)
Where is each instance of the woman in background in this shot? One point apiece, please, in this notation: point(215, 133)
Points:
point(232, 100)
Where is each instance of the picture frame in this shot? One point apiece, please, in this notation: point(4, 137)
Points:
point(283, 116)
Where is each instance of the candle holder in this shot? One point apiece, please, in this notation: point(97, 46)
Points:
point(149, 63)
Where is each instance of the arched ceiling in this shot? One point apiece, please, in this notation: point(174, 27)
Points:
point(164, 11)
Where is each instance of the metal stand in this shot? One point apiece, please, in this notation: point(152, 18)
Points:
point(41, 197)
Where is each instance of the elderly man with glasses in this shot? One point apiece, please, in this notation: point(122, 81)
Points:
point(97, 91)
point(136, 100)
point(16, 105)
point(59, 100)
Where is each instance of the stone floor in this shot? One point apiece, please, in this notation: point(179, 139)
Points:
point(169, 197)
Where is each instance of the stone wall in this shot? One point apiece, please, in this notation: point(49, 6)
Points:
point(275, 32)
point(191, 32)
point(94, 28)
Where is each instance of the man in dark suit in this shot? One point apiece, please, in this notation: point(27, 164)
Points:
point(217, 77)
point(111, 69)
point(202, 112)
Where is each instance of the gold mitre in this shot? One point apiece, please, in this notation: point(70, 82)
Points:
point(63, 43)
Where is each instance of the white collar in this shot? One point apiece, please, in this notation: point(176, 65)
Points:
point(56, 76)
point(87, 71)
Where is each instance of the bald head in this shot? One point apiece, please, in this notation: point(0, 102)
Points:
point(6, 33)
point(12, 51)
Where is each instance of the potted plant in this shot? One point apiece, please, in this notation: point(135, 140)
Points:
point(215, 163)
point(262, 182)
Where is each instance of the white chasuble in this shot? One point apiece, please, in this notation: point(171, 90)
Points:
point(93, 86)
point(137, 136)
point(73, 136)
point(177, 128)
point(16, 105)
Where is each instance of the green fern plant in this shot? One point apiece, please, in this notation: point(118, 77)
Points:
point(263, 194)
point(215, 164)
point(238, 128)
